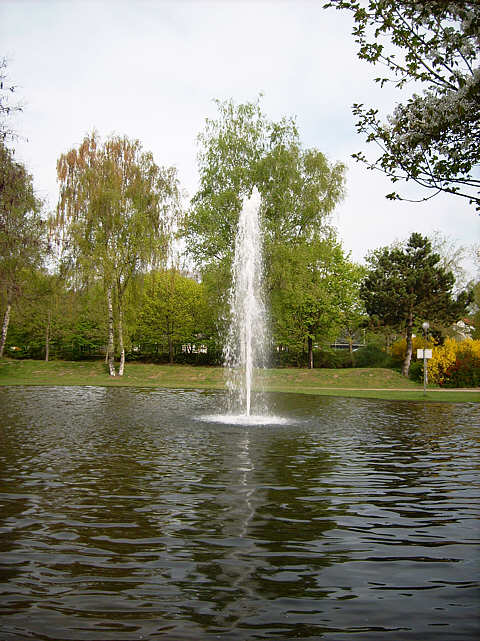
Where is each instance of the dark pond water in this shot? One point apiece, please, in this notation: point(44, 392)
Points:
point(124, 518)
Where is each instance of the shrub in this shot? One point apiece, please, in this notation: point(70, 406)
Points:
point(465, 372)
point(399, 348)
point(443, 357)
point(372, 356)
point(416, 371)
point(331, 358)
point(290, 358)
point(456, 364)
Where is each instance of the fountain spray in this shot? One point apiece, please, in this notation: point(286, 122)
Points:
point(246, 345)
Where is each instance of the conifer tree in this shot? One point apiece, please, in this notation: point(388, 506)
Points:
point(406, 285)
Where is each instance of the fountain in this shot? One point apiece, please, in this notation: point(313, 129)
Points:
point(245, 347)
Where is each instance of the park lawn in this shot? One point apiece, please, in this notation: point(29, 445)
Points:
point(358, 383)
point(30, 372)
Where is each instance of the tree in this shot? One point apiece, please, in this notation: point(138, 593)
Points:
point(299, 188)
point(406, 284)
point(351, 311)
point(115, 212)
point(22, 232)
point(432, 138)
point(33, 324)
point(309, 297)
point(7, 107)
point(173, 308)
point(476, 312)
point(240, 150)
point(451, 257)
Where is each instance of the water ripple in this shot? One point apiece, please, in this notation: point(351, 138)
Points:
point(124, 518)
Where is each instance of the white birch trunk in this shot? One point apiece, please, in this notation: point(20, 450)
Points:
point(6, 320)
point(120, 341)
point(47, 336)
point(310, 352)
point(110, 348)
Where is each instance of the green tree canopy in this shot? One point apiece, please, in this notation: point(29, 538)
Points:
point(299, 188)
point(173, 309)
point(433, 137)
point(22, 231)
point(313, 293)
point(242, 149)
point(406, 284)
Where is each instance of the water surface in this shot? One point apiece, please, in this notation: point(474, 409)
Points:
point(126, 516)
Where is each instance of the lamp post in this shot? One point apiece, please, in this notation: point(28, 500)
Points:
point(425, 326)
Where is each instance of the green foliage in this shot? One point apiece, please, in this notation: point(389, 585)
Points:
point(405, 284)
point(299, 188)
point(372, 356)
point(74, 320)
point(475, 311)
point(115, 215)
point(173, 309)
point(433, 137)
point(116, 207)
point(416, 371)
point(22, 232)
point(240, 150)
point(311, 282)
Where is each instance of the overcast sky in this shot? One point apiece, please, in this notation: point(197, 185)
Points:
point(151, 69)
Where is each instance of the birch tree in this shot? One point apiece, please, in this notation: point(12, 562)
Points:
point(116, 211)
point(242, 149)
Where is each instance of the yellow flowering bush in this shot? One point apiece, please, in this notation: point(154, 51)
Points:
point(470, 347)
point(399, 348)
point(443, 357)
point(455, 364)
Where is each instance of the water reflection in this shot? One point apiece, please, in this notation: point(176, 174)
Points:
point(124, 518)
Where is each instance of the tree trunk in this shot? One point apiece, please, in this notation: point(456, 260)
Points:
point(408, 353)
point(6, 319)
point(110, 348)
point(47, 336)
point(120, 341)
point(310, 352)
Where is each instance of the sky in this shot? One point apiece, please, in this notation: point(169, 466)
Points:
point(151, 69)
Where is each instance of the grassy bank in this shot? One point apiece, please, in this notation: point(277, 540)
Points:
point(361, 383)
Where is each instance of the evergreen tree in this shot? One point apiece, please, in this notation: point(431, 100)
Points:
point(406, 285)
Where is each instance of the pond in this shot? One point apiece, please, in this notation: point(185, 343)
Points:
point(125, 516)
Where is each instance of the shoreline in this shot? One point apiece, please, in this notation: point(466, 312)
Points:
point(367, 383)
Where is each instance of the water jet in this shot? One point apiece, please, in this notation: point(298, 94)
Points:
point(246, 346)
